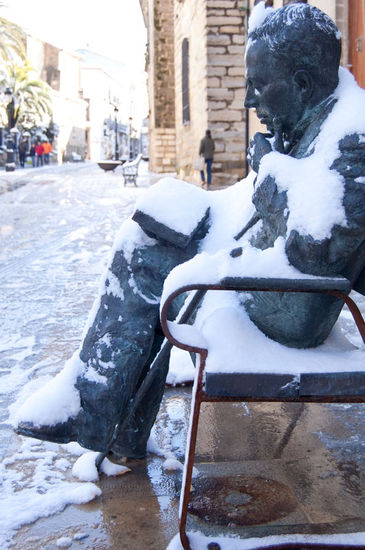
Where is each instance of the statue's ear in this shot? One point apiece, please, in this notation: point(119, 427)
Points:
point(304, 81)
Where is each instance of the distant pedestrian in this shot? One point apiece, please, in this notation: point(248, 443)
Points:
point(32, 154)
point(39, 150)
point(206, 149)
point(47, 150)
point(22, 149)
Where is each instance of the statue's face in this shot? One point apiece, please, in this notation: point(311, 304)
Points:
point(272, 90)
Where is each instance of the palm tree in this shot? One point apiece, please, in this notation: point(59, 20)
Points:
point(12, 41)
point(31, 97)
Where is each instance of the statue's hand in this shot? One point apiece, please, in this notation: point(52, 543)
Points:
point(260, 145)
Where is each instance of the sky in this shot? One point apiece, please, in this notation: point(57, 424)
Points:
point(114, 28)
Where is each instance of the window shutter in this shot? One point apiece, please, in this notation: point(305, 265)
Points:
point(185, 81)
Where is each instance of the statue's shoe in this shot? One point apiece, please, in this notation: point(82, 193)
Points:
point(63, 432)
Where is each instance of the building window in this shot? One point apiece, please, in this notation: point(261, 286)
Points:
point(185, 82)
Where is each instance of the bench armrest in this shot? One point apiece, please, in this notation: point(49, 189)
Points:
point(133, 163)
point(191, 340)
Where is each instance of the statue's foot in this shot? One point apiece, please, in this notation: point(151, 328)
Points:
point(63, 432)
point(127, 452)
point(117, 459)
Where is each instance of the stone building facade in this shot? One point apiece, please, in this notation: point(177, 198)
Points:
point(208, 36)
point(60, 69)
point(159, 20)
point(196, 69)
point(215, 33)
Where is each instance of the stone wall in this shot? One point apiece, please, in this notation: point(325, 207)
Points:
point(50, 72)
point(342, 22)
point(164, 96)
point(226, 114)
point(164, 150)
point(215, 30)
point(159, 18)
point(190, 24)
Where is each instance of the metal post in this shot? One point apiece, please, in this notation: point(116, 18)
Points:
point(247, 111)
point(130, 152)
point(116, 154)
point(10, 163)
point(10, 111)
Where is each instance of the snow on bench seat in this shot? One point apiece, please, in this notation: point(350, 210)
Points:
point(244, 362)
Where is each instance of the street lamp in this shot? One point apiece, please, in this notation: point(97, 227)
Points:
point(10, 102)
point(8, 95)
point(130, 139)
point(116, 155)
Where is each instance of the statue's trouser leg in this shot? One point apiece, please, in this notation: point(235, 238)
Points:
point(119, 344)
point(132, 438)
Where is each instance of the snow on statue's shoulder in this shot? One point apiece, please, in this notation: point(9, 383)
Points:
point(314, 189)
point(172, 210)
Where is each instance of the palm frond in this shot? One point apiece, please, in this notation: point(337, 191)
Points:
point(12, 41)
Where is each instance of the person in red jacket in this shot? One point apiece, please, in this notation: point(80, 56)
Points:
point(39, 151)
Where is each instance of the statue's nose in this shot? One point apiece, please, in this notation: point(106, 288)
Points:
point(250, 99)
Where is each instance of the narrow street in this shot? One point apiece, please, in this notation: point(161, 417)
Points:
point(57, 226)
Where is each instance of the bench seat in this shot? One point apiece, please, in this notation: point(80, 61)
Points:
point(250, 366)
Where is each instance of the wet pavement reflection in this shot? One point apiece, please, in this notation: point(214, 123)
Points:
point(318, 489)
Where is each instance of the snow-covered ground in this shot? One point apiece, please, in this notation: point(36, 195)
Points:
point(56, 228)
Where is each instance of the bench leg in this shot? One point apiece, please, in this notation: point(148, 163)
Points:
point(190, 453)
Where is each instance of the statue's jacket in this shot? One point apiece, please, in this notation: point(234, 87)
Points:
point(306, 320)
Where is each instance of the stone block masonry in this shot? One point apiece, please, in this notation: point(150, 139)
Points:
point(226, 22)
point(164, 71)
point(190, 26)
point(214, 32)
point(163, 144)
point(159, 18)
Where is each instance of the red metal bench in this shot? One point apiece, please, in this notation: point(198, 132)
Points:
point(319, 386)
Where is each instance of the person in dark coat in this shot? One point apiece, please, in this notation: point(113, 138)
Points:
point(22, 149)
point(32, 154)
point(206, 149)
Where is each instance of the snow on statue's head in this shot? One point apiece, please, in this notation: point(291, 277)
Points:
point(302, 37)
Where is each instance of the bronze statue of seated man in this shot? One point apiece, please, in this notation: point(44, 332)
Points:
point(308, 194)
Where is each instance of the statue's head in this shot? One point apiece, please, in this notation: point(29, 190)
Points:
point(292, 62)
